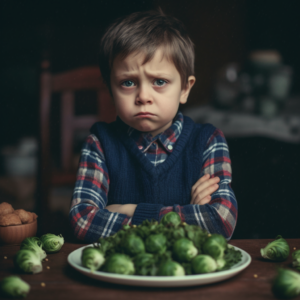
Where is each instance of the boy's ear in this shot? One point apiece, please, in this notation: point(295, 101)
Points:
point(185, 91)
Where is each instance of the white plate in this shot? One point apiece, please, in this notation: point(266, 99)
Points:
point(74, 259)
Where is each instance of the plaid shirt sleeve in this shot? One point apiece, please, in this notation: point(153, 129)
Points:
point(220, 214)
point(88, 216)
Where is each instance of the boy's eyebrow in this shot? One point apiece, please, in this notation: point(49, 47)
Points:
point(158, 74)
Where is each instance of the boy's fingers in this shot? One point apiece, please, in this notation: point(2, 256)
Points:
point(203, 178)
point(197, 197)
point(199, 181)
point(204, 200)
point(197, 189)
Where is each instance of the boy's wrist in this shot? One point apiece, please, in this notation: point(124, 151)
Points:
point(126, 209)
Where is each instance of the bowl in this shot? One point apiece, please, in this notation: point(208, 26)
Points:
point(15, 234)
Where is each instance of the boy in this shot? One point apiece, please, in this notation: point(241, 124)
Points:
point(152, 159)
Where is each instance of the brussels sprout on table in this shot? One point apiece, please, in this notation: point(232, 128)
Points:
point(296, 259)
point(14, 287)
point(51, 242)
point(277, 250)
point(92, 258)
point(286, 284)
point(34, 244)
point(28, 261)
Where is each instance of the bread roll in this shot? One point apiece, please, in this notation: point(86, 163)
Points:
point(10, 219)
point(25, 216)
point(34, 215)
point(5, 208)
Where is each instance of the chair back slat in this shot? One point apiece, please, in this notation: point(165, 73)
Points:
point(67, 128)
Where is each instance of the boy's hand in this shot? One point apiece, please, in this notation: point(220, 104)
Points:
point(126, 209)
point(203, 188)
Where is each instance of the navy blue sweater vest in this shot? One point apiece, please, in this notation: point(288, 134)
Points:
point(134, 179)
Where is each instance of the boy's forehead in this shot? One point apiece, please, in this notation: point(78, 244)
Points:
point(160, 61)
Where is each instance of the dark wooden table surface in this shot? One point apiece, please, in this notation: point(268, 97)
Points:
point(63, 282)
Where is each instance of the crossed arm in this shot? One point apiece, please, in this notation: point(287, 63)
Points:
point(200, 194)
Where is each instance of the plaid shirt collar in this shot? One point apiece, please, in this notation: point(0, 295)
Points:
point(167, 138)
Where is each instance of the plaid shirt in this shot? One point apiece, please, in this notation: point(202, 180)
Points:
point(89, 218)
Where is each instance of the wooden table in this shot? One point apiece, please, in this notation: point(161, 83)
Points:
point(63, 282)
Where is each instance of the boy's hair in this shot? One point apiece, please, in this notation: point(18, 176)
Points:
point(145, 32)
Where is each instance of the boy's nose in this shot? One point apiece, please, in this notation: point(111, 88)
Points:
point(143, 96)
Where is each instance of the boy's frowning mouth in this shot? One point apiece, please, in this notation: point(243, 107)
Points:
point(144, 114)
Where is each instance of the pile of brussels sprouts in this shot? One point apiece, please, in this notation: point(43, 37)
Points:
point(168, 248)
point(29, 260)
point(287, 282)
point(32, 251)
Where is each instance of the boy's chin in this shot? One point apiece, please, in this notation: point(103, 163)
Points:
point(144, 127)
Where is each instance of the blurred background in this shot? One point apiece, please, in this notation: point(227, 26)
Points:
point(247, 69)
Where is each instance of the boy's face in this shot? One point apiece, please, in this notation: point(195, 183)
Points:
point(147, 96)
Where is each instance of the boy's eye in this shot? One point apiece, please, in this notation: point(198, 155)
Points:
point(128, 83)
point(160, 82)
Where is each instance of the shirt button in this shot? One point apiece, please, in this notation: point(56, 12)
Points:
point(170, 147)
point(140, 147)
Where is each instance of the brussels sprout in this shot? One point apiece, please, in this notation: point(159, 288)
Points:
point(120, 264)
point(215, 246)
point(28, 261)
point(92, 258)
point(170, 268)
point(278, 250)
point(286, 284)
point(171, 218)
point(156, 243)
point(184, 250)
point(133, 245)
point(34, 244)
point(203, 263)
point(51, 242)
point(296, 259)
point(14, 286)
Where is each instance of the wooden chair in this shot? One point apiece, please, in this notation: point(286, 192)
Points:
point(66, 84)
